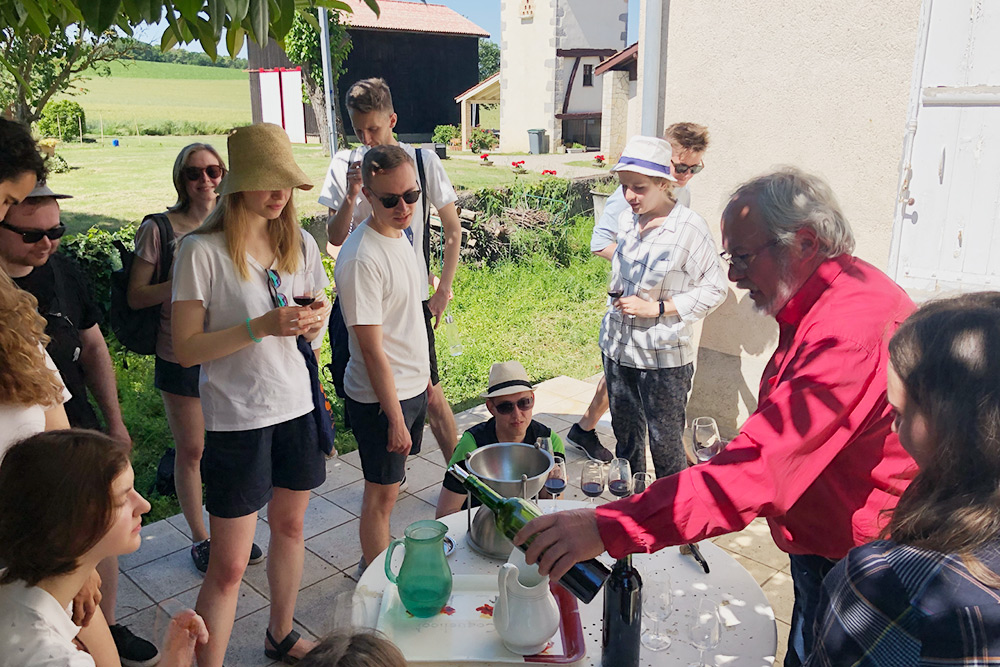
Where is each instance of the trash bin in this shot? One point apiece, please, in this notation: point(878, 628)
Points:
point(538, 143)
point(441, 150)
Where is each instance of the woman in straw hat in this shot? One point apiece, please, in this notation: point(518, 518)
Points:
point(234, 281)
point(666, 275)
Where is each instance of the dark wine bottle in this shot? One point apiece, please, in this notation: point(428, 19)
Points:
point(622, 616)
point(583, 580)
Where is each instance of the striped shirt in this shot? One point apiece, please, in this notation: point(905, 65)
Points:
point(678, 261)
point(892, 605)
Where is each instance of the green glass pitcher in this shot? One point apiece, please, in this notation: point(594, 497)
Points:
point(424, 579)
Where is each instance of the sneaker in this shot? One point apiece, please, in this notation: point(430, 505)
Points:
point(200, 552)
point(133, 651)
point(589, 443)
point(403, 486)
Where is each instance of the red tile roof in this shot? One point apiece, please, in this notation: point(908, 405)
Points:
point(411, 17)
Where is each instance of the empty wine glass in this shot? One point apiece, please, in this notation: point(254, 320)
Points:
point(657, 605)
point(705, 629)
point(705, 437)
point(620, 477)
point(555, 484)
point(641, 481)
point(592, 480)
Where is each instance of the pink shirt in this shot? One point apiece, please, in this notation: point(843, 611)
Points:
point(817, 458)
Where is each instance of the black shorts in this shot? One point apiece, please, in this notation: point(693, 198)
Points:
point(175, 379)
point(371, 428)
point(241, 468)
point(429, 322)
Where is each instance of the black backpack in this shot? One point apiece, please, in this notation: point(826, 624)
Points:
point(137, 329)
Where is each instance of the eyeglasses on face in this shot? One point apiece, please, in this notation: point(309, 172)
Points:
point(743, 261)
point(391, 201)
point(273, 283)
point(36, 235)
point(214, 172)
point(507, 407)
point(682, 168)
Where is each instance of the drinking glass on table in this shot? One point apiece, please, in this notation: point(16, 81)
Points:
point(657, 605)
point(705, 629)
point(555, 484)
point(641, 481)
point(592, 479)
point(705, 437)
point(620, 477)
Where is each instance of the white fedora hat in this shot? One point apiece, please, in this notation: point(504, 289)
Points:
point(646, 155)
point(508, 377)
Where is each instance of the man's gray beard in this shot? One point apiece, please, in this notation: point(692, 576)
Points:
point(785, 290)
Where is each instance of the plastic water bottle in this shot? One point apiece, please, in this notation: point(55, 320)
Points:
point(452, 336)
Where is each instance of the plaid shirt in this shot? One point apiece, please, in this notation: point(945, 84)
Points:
point(677, 261)
point(891, 605)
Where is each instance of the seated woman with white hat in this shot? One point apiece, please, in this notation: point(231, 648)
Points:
point(510, 398)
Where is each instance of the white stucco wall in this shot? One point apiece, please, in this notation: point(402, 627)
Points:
point(583, 99)
point(822, 85)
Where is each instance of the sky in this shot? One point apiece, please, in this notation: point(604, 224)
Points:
point(484, 13)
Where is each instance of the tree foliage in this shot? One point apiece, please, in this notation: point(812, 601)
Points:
point(34, 68)
point(489, 58)
point(64, 119)
point(150, 53)
point(188, 20)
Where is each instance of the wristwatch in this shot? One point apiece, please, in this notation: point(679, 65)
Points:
point(661, 309)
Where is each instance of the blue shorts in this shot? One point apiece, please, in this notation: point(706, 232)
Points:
point(175, 379)
point(371, 428)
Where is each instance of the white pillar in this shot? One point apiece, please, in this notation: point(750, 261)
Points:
point(653, 20)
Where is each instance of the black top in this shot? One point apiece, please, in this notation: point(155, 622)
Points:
point(66, 303)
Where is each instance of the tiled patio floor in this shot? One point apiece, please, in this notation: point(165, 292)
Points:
point(160, 578)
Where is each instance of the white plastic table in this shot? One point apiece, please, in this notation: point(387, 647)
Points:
point(749, 637)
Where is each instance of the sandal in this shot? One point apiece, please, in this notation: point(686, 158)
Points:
point(280, 650)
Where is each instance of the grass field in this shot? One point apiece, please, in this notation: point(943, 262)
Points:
point(113, 186)
point(150, 93)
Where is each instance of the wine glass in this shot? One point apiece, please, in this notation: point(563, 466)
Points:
point(592, 480)
point(641, 481)
point(705, 629)
point(657, 605)
point(555, 483)
point(303, 289)
point(620, 477)
point(705, 436)
point(616, 287)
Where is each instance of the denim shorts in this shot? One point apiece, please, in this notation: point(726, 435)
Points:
point(175, 379)
point(242, 468)
point(371, 428)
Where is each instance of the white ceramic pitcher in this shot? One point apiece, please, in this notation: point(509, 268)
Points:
point(526, 615)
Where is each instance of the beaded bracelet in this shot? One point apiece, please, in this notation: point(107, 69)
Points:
point(250, 331)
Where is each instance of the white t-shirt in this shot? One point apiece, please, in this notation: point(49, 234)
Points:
point(378, 283)
point(263, 384)
point(606, 230)
point(440, 193)
point(37, 631)
point(21, 421)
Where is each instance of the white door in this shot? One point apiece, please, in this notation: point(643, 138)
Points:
point(945, 235)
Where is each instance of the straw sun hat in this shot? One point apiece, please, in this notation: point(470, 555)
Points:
point(646, 155)
point(508, 377)
point(260, 158)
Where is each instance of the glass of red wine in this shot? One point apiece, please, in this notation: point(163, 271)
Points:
point(303, 290)
point(641, 481)
point(555, 484)
point(616, 287)
point(620, 477)
point(592, 479)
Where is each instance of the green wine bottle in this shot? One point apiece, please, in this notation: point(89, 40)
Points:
point(583, 580)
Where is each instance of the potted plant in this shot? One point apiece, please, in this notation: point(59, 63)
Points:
point(600, 193)
point(599, 161)
point(548, 172)
point(575, 148)
point(518, 167)
point(485, 161)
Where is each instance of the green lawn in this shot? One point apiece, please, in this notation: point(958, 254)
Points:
point(116, 185)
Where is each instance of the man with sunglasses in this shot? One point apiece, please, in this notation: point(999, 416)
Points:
point(688, 143)
point(379, 286)
point(817, 458)
point(510, 399)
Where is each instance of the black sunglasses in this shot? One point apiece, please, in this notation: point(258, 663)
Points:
point(390, 201)
point(685, 168)
point(35, 235)
point(214, 171)
point(507, 407)
point(273, 283)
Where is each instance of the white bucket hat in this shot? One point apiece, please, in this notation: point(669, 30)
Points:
point(646, 155)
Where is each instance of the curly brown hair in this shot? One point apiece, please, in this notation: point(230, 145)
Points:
point(24, 377)
point(689, 136)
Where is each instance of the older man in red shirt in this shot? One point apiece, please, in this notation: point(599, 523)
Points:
point(817, 458)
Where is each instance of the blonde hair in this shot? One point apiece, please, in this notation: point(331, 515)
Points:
point(25, 379)
point(180, 183)
point(230, 217)
point(346, 648)
point(370, 95)
point(688, 136)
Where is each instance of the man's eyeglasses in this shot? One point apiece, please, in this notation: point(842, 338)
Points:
point(214, 172)
point(391, 201)
point(273, 283)
point(743, 261)
point(682, 168)
point(507, 407)
point(36, 235)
